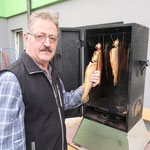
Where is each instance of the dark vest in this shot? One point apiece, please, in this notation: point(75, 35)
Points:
point(44, 113)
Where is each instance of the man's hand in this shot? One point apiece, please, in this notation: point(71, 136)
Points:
point(95, 78)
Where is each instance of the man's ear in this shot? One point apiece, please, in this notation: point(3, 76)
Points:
point(26, 37)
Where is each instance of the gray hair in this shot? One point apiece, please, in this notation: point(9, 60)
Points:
point(43, 14)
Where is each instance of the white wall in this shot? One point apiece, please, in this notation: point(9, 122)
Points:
point(74, 13)
point(4, 42)
point(14, 23)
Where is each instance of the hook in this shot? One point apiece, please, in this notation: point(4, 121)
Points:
point(111, 37)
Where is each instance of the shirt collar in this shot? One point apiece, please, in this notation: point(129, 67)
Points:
point(32, 66)
point(49, 67)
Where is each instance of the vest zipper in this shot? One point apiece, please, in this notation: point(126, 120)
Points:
point(59, 111)
point(59, 96)
point(33, 145)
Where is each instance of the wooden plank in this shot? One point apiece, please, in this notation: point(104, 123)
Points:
point(71, 147)
point(146, 114)
point(71, 123)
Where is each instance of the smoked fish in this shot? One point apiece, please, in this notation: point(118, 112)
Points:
point(106, 53)
point(123, 57)
point(88, 85)
point(99, 60)
point(114, 61)
point(95, 64)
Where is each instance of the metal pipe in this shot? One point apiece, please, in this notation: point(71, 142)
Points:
point(28, 8)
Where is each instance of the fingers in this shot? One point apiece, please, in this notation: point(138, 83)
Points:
point(95, 78)
point(96, 73)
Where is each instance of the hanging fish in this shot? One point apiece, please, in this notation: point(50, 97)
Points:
point(114, 61)
point(98, 53)
point(128, 56)
point(123, 57)
point(106, 56)
point(95, 64)
point(88, 85)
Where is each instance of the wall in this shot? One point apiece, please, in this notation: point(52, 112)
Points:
point(10, 8)
point(4, 42)
point(75, 13)
point(17, 22)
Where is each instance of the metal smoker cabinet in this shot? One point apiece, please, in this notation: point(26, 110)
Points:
point(113, 114)
point(118, 106)
point(74, 51)
point(114, 109)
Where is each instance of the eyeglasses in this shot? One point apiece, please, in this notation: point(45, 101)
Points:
point(41, 38)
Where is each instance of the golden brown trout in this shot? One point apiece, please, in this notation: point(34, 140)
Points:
point(95, 64)
point(114, 61)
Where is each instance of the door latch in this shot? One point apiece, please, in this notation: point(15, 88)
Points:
point(143, 65)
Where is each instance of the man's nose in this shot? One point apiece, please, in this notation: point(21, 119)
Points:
point(47, 43)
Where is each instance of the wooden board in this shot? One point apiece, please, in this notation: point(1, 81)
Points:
point(71, 147)
point(146, 114)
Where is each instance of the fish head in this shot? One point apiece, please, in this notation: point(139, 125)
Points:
point(116, 43)
point(95, 56)
point(98, 46)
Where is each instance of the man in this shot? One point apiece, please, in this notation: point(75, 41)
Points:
point(32, 93)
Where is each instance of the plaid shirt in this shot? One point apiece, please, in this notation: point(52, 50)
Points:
point(12, 133)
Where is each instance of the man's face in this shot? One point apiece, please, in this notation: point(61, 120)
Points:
point(35, 47)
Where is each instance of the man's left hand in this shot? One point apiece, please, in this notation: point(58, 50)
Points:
point(95, 78)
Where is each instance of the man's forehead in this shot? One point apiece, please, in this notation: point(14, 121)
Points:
point(40, 24)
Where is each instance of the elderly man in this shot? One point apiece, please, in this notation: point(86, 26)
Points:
point(32, 96)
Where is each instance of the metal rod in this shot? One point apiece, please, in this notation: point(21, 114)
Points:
point(111, 33)
point(28, 8)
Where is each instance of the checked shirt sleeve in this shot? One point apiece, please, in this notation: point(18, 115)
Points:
point(12, 135)
point(72, 99)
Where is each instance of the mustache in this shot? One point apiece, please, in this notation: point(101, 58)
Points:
point(45, 48)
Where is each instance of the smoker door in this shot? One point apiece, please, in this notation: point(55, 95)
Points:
point(68, 60)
